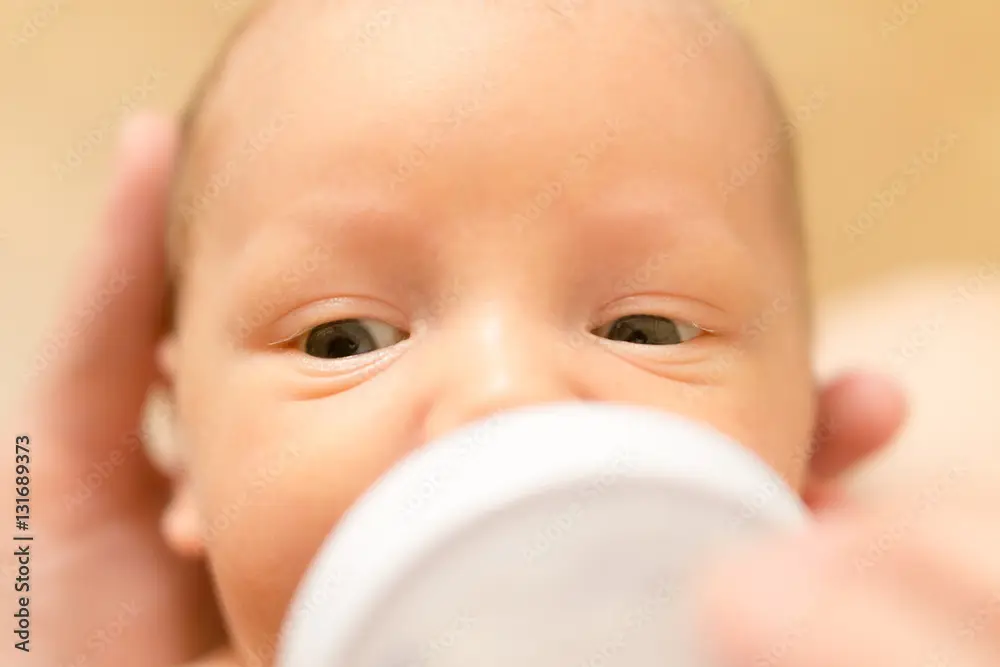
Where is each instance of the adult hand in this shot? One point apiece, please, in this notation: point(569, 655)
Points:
point(104, 588)
point(910, 577)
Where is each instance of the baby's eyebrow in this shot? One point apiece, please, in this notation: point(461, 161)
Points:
point(338, 216)
point(709, 257)
point(308, 234)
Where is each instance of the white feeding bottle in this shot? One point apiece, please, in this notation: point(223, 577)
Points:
point(556, 535)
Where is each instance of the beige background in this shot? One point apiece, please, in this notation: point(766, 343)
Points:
point(69, 69)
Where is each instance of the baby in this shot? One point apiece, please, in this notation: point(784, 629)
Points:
point(395, 218)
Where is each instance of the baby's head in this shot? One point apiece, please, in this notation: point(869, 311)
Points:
point(393, 218)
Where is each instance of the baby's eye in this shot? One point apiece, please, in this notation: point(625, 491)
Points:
point(347, 338)
point(648, 330)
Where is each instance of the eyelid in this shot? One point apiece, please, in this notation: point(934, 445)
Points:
point(301, 320)
point(707, 318)
point(374, 326)
point(698, 330)
point(605, 329)
point(288, 339)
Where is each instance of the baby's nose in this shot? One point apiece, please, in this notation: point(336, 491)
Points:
point(498, 363)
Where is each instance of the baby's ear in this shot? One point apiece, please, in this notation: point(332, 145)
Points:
point(161, 422)
point(180, 524)
point(166, 358)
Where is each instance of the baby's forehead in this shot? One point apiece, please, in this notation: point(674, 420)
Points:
point(460, 104)
point(279, 39)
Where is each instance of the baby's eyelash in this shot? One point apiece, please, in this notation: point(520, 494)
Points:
point(288, 339)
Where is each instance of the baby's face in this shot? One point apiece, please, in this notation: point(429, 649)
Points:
point(409, 217)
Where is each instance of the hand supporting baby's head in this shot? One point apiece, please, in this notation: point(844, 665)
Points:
point(396, 218)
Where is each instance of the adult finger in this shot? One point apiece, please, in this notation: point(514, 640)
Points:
point(798, 602)
point(87, 392)
point(859, 413)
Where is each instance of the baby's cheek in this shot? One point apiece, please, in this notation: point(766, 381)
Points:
point(777, 393)
point(249, 463)
point(273, 477)
point(762, 399)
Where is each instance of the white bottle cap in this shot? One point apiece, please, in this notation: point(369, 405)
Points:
point(557, 535)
